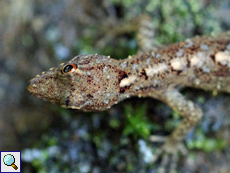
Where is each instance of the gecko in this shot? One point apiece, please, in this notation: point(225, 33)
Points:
point(96, 82)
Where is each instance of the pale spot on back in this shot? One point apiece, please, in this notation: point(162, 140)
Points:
point(178, 64)
point(135, 66)
point(127, 81)
point(156, 69)
point(148, 60)
point(106, 101)
point(198, 60)
point(223, 58)
point(204, 47)
point(105, 69)
point(202, 60)
point(180, 52)
point(124, 65)
point(158, 56)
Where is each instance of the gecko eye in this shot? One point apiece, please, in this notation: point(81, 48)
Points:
point(69, 68)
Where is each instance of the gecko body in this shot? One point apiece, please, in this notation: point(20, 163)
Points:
point(96, 82)
point(99, 81)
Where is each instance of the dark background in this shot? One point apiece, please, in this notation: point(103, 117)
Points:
point(38, 34)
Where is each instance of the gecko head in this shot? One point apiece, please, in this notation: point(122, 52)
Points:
point(87, 82)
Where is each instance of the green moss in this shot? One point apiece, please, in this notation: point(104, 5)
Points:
point(202, 142)
point(137, 123)
point(200, 99)
point(114, 123)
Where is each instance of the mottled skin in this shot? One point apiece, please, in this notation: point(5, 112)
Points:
point(98, 82)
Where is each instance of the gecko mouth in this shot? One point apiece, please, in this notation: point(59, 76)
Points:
point(70, 107)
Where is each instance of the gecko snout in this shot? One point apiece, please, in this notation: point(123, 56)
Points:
point(47, 87)
point(32, 87)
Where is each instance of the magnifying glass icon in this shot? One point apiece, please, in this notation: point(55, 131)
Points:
point(9, 160)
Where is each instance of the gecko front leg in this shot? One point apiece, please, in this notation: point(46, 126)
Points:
point(191, 114)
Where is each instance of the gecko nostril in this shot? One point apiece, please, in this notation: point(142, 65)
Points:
point(31, 86)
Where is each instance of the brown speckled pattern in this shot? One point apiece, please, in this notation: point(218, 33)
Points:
point(100, 81)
